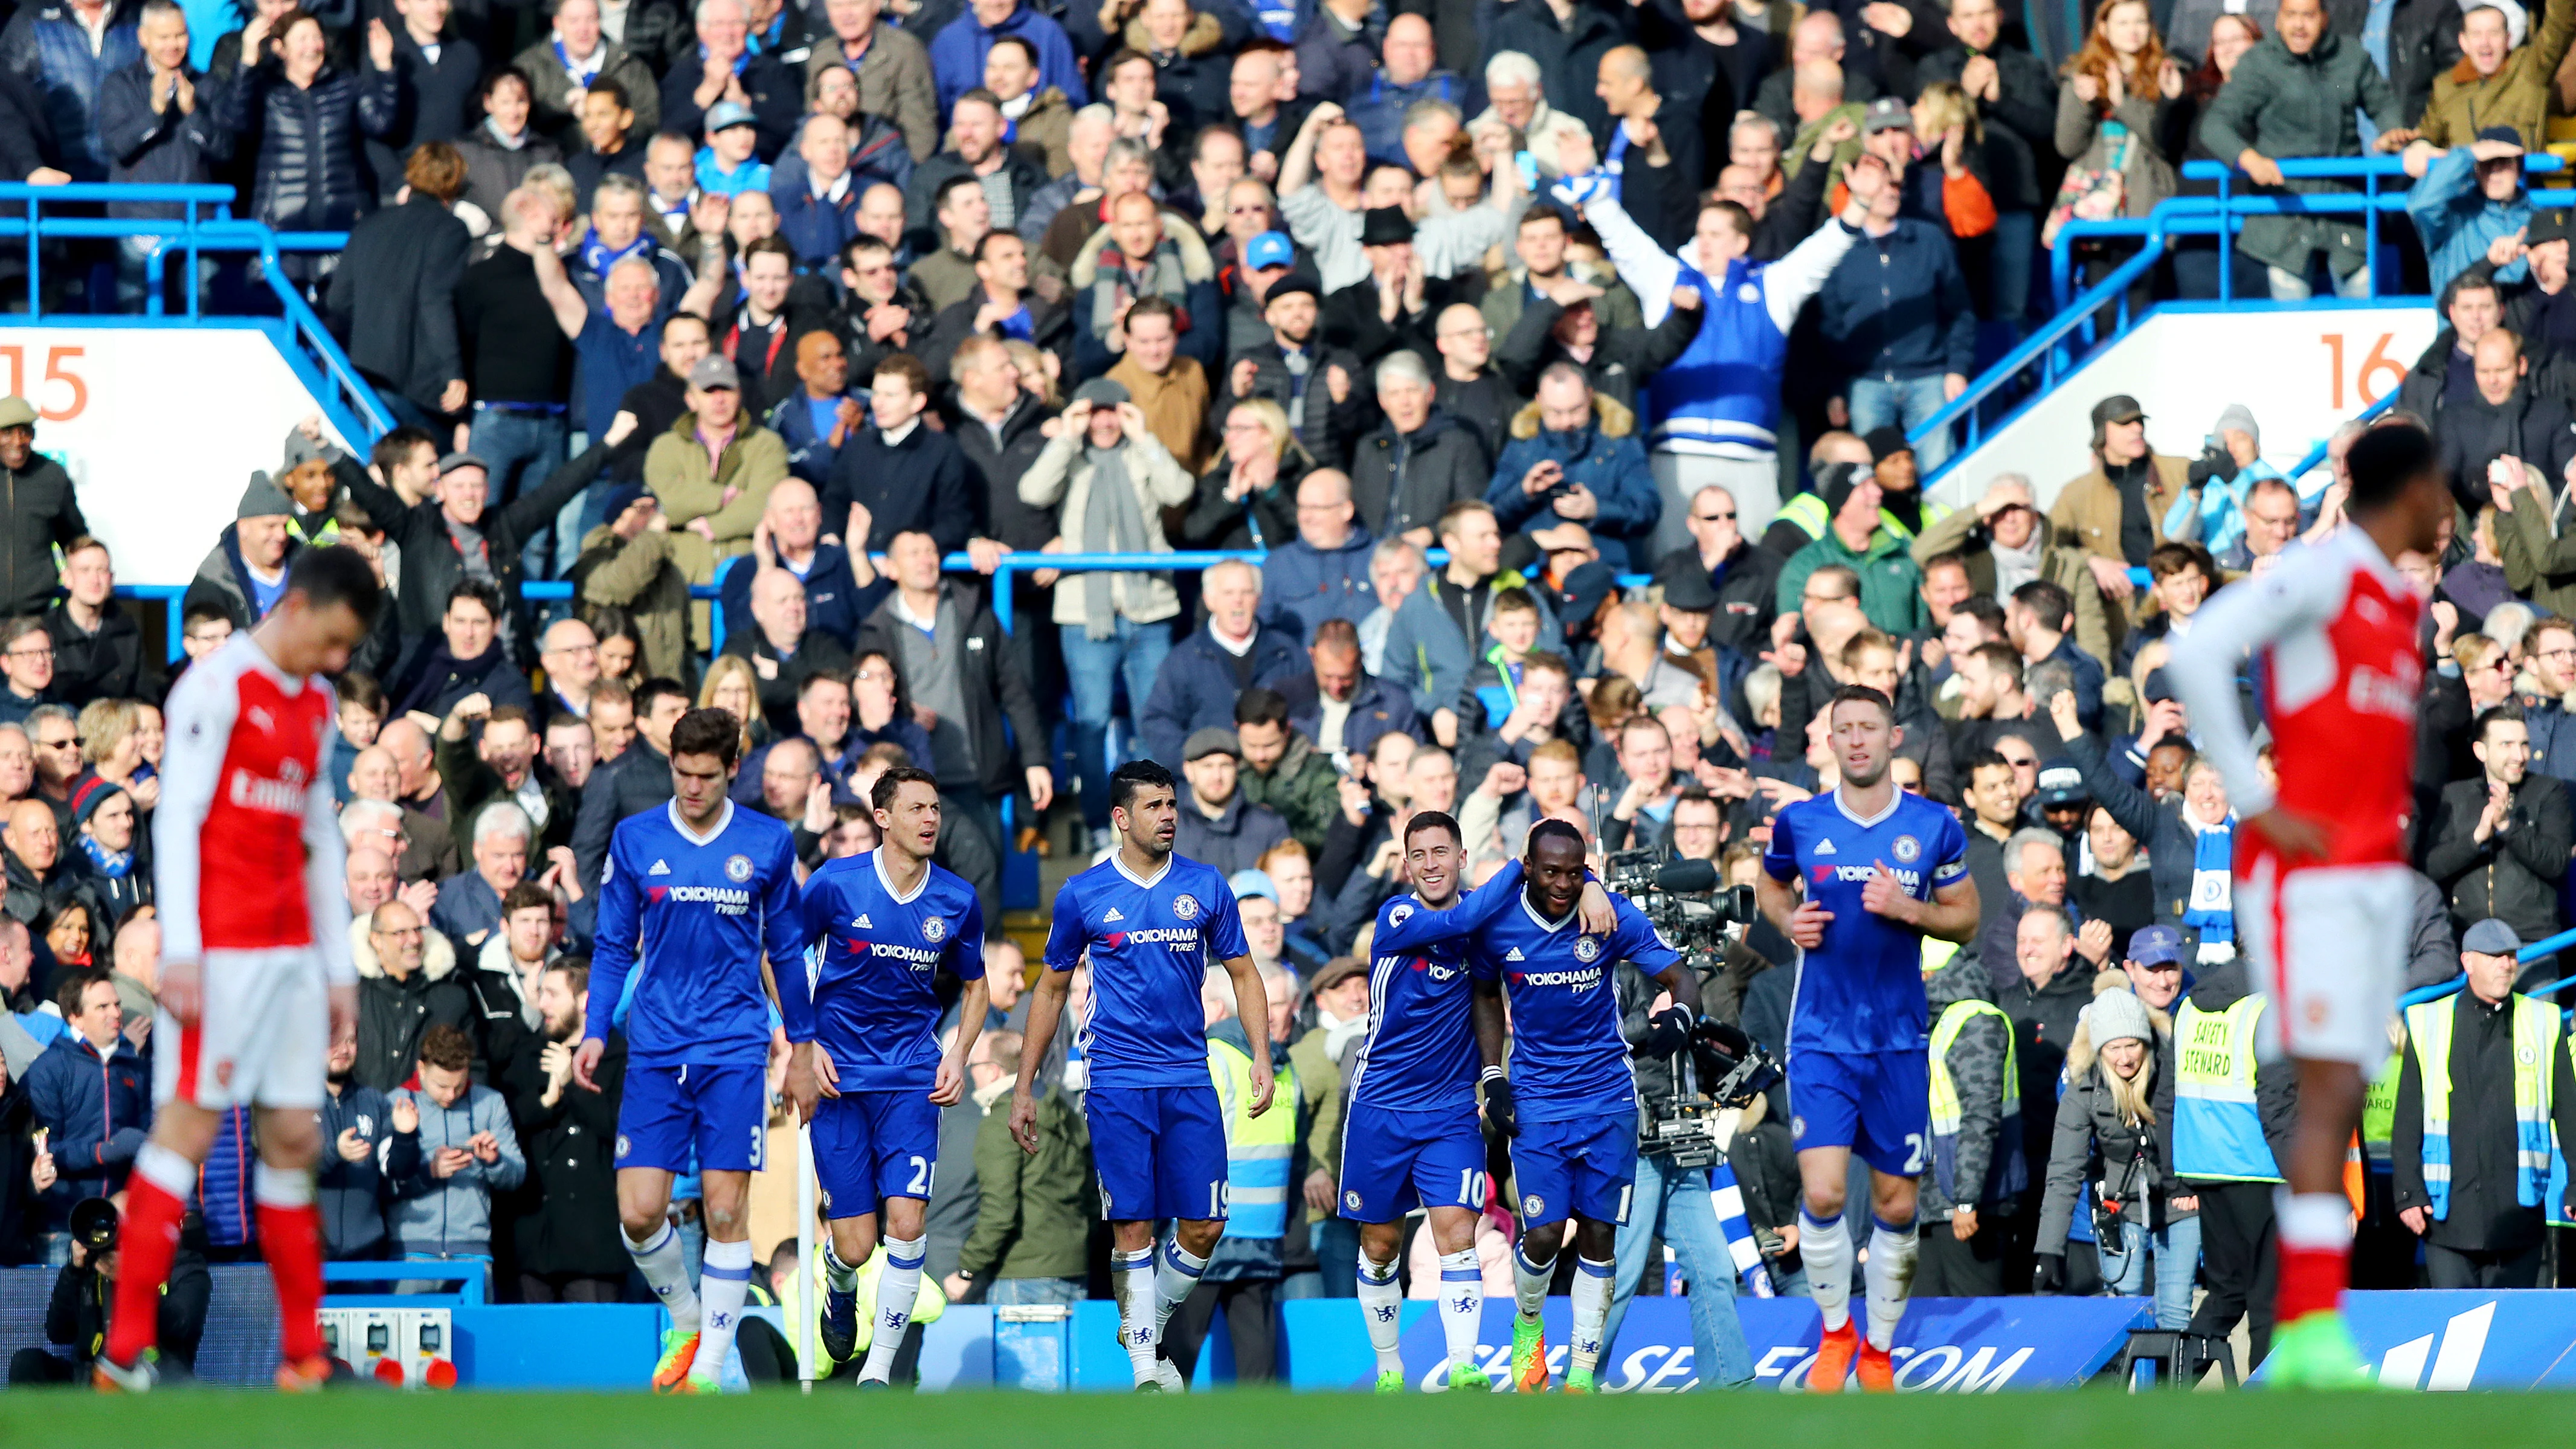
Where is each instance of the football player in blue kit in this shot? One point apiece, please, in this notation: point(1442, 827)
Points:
point(1569, 1100)
point(1881, 870)
point(1410, 1136)
point(1151, 924)
point(871, 1078)
point(709, 893)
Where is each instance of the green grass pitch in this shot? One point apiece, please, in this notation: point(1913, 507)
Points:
point(374, 1419)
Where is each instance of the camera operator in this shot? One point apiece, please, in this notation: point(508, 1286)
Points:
point(76, 1316)
point(1672, 1202)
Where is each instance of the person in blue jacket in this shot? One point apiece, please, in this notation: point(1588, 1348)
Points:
point(957, 52)
point(1575, 458)
point(91, 1097)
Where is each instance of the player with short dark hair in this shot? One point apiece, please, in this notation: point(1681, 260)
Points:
point(1569, 1101)
point(1410, 1137)
point(2321, 866)
point(1881, 870)
point(256, 977)
point(1150, 924)
point(871, 1076)
point(701, 898)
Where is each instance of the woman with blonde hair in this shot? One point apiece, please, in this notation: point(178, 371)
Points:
point(111, 736)
point(1248, 499)
point(731, 686)
point(2107, 1113)
point(1041, 371)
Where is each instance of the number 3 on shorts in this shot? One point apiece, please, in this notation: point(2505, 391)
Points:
point(1913, 1152)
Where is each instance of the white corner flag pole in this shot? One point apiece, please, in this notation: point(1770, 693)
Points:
point(806, 1318)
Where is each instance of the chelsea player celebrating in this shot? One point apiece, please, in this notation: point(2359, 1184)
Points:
point(1882, 870)
point(1410, 1136)
point(870, 1075)
point(1570, 1100)
point(1151, 923)
point(711, 893)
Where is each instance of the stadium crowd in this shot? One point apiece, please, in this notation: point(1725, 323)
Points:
point(1628, 310)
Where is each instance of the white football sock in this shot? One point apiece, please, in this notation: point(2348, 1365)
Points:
point(1173, 1281)
point(898, 1283)
point(840, 1277)
point(2312, 1219)
point(724, 1281)
point(1462, 1303)
point(1889, 1278)
point(1591, 1307)
point(1826, 1246)
point(1529, 1283)
point(1382, 1309)
point(1131, 1277)
point(666, 1268)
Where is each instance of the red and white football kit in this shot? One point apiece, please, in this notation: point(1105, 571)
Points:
point(2337, 665)
point(247, 863)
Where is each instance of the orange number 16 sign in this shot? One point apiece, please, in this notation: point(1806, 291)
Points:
point(2372, 365)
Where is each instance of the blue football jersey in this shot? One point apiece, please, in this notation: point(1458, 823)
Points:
point(1420, 1051)
point(1150, 944)
point(704, 911)
point(875, 956)
point(1862, 989)
point(1568, 1058)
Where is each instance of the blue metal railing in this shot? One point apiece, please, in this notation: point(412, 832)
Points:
point(204, 224)
point(2063, 342)
point(2221, 214)
point(2546, 946)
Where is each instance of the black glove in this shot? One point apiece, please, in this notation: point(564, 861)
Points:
point(1499, 1108)
point(2214, 462)
point(1668, 1032)
point(2049, 1276)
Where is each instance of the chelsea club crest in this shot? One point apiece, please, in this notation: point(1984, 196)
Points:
point(1185, 908)
point(737, 868)
point(934, 930)
point(1586, 948)
point(1908, 849)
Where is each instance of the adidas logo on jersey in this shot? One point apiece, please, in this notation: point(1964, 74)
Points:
point(660, 867)
point(863, 923)
point(1114, 915)
point(1515, 955)
point(1824, 847)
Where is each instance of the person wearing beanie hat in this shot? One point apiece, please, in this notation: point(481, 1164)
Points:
point(1891, 593)
point(2106, 1113)
point(244, 574)
point(1322, 388)
point(106, 825)
point(2211, 511)
point(2466, 1089)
